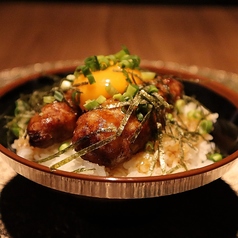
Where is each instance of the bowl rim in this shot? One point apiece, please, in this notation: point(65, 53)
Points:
point(179, 175)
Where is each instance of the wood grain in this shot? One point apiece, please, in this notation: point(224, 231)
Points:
point(37, 32)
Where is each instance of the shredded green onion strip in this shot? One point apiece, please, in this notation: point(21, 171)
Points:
point(82, 169)
point(72, 146)
point(156, 156)
point(161, 155)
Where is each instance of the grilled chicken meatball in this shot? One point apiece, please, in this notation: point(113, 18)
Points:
point(169, 88)
point(92, 127)
point(54, 124)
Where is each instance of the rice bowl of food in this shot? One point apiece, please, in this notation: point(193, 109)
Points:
point(117, 127)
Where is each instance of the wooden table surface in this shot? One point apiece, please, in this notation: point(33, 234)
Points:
point(205, 36)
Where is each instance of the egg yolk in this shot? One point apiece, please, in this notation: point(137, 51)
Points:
point(110, 79)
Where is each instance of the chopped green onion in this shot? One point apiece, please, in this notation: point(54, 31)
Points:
point(92, 63)
point(133, 59)
point(91, 79)
point(112, 59)
point(169, 117)
point(88, 74)
point(78, 71)
point(129, 61)
point(63, 146)
point(48, 99)
point(122, 52)
point(76, 96)
point(119, 97)
point(205, 126)
point(136, 61)
point(147, 76)
point(101, 99)
point(85, 70)
point(179, 105)
point(110, 89)
point(104, 62)
point(16, 130)
point(195, 114)
point(131, 91)
point(215, 157)
point(58, 96)
point(140, 116)
point(152, 89)
point(92, 104)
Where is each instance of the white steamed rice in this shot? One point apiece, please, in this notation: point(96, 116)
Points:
point(171, 158)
